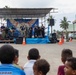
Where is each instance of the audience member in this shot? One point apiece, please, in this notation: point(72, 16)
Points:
point(41, 67)
point(66, 53)
point(33, 55)
point(15, 62)
point(7, 56)
point(70, 66)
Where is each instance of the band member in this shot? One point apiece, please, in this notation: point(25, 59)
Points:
point(30, 32)
point(39, 31)
point(22, 27)
point(36, 31)
point(43, 31)
point(0, 34)
point(3, 27)
point(3, 31)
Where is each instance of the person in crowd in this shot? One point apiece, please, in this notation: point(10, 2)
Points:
point(41, 67)
point(15, 62)
point(43, 31)
point(7, 56)
point(70, 66)
point(66, 53)
point(33, 55)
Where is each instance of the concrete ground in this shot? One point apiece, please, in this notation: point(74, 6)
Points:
point(50, 52)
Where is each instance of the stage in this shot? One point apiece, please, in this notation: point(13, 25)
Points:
point(19, 40)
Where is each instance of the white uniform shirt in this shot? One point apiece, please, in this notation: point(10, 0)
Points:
point(28, 67)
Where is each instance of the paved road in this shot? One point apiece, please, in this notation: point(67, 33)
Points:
point(50, 52)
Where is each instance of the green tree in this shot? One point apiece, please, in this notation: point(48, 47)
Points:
point(64, 25)
point(59, 33)
point(6, 6)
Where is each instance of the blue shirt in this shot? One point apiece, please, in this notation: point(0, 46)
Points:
point(9, 69)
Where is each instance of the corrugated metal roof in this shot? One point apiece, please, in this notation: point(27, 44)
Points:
point(24, 12)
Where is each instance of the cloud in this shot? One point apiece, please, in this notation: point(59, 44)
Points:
point(66, 8)
point(26, 3)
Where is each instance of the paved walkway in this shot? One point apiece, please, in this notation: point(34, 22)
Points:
point(50, 52)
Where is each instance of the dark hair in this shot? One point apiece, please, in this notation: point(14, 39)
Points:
point(72, 62)
point(16, 52)
point(66, 53)
point(7, 54)
point(42, 65)
point(33, 54)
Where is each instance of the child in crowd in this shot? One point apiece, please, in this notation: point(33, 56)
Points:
point(66, 53)
point(15, 62)
point(33, 55)
point(7, 56)
point(70, 66)
point(41, 67)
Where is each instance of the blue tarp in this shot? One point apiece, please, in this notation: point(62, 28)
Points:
point(37, 40)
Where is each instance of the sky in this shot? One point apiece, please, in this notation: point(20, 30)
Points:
point(65, 8)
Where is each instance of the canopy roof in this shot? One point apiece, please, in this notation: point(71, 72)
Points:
point(24, 12)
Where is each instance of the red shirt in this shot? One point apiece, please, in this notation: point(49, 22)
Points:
point(61, 70)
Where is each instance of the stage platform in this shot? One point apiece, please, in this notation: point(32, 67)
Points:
point(27, 40)
point(6, 41)
point(37, 40)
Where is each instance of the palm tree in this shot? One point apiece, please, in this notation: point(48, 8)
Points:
point(64, 25)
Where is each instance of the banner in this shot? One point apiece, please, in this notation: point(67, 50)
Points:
point(20, 24)
point(16, 23)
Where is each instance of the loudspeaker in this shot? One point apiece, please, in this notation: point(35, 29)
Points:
point(19, 40)
point(54, 35)
point(53, 38)
point(51, 22)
